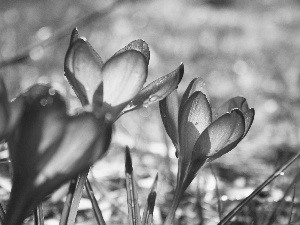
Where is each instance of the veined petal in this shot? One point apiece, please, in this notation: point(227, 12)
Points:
point(138, 45)
point(169, 114)
point(249, 117)
point(195, 118)
point(83, 69)
point(157, 90)
point(233, 103)
point(238, 128)
point(197, 84)
point(123, 77)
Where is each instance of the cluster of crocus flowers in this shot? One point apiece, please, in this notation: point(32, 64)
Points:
point(48, 146)
point(200, 135)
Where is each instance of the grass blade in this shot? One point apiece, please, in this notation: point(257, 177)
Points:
point(132, 196)
point(217, 191)
point(280, 203)
point(230, 215)
point(2, 215)
point(73, 198)
point(198, 205)
point(97, 211)
point(38, 215)
point(149, 207)
point(292, 208)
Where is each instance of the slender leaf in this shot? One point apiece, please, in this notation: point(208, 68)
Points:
point(280, 203)
point(277, 173)
point(132, 195)
point(292, 207)
point(97, 211)
point(149, 207)
point(38, 215)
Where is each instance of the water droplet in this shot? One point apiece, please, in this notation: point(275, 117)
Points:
point(153, 98)
point(282, 174)
point(43, 102)
point(52, 91)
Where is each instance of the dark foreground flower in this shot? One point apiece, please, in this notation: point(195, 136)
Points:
point(198, 135)
point(117, 83)
point(50, 147)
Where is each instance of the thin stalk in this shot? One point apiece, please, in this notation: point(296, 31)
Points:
point(280, 203)
point(217, 191)
point(292, 208)
point(97, 211)
point(277, 173)
point(174, 206)
point(2, 215)
point(38, 215)
point(199, 202)
point(73, 198)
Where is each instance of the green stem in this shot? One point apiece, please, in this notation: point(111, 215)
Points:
point(174, 206)
point(72, 202)
point(97, 211)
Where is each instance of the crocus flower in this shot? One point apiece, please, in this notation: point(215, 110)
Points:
point(115, 87)
point(10, 112)
point(198, 135)
point(49, 147)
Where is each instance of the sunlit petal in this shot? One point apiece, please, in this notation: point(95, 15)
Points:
point(195, 118)
point(123, 77)
point(138, 45)
point(83, 69)
point(169, 114)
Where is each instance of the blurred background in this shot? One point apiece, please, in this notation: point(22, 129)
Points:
point(241, 48)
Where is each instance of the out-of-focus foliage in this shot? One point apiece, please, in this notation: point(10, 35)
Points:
point(247, 48)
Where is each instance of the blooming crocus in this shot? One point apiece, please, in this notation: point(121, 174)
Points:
point(10, 112)
point(115, 87)
point(198, 135)
point(49, 147)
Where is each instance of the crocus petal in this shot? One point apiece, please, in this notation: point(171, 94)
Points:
point(195, 118)
point(233, 103)
point(197, 84)
point(74, 35)
point(238, 129)
point(48, 148)
point(169, 114)
point(249, 117)
point(138, 45)
point(83, 69)
point(157, 90)
point(123, 77)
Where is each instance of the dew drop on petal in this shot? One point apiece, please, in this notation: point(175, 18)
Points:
point(52, 91)
point(43, 102)
point(153, 98)
point(282, 174)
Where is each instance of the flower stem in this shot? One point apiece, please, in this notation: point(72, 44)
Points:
point(174, 206)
